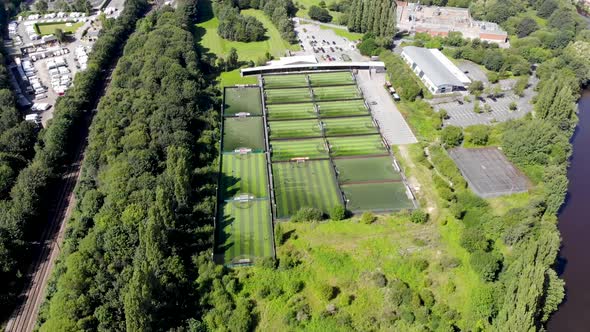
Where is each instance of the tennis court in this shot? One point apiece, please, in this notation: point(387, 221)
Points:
point(291, 111)
point(244, 232)
point(313, 148)
point(349, 126)
point(336, 93)
point(243, 174)
point(366, 169)
point(376, 196)
point(335, 78)
point(295, 129)
point(342, 108)
point(307, 184)
point(285, 81)
point(357, 145)
point(278, 96)
point(245, 132)
point(242, 100)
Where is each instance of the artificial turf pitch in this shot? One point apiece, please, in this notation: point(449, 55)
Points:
point(285, 81)
point(243, 133)
point(308, 184)
point(295, 129)
point(291, 111)
point(350, 126)
point(357, 145)
point(337, 78)
point(366, 169)
point(242, 100)
point(296, 95)
point(314, 148)
point(342, 108)
point(376, 196)
point(243, 174)
point(336, 93)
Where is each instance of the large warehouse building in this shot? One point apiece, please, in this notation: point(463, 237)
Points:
point(437, 72)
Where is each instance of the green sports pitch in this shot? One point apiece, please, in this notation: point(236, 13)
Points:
point(285, 81)
point(245, 132)
point(376, 196)
point(313, 148)
point(307, 184)
point(357, 145)
point(336, 93)
point(349, 126)
point(366, 169)
point(242, 100)
point(243, 174)
point(326, 79)
point(295, 129)
point(342, 108)
point(296, 95)
point(291, 111)
point(244, 232)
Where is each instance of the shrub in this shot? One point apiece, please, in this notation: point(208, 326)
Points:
point(493, 77)
point(451, 136)
point(307, 214)
point(486, 264)
point(319, 14)
point(368, 218)
point(420, 264)
point(513, 106)
point(473, 240)
point(338, 212)
point(479, 134)
point(279, 234)
point(379, 279)
point(418, 217)
point(325, 291)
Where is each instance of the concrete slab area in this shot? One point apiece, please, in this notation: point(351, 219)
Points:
point(488, 172)
point(394, 127)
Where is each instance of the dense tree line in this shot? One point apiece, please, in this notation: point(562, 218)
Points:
point(280, 13)
point(23, 212)
point(373, 16)
point(134, 258)
point(235, 26)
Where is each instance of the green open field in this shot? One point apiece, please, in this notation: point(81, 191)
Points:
point(366, 169)
point(243, 133)
point(344, 33)
point(357, 145)
point(376, 196)
point(238, 100)
point(342, 108)
point(336, 78)
point(49, 28)
point(287, 95)
point(243, 174)
point(336, 93)
point(350, 126)
point(311, 148)
point(244, 231)
point(309, 184)
point(290, 111)
point(295, 129)
point(285, 81)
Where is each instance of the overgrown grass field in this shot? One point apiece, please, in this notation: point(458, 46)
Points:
point(295, 129)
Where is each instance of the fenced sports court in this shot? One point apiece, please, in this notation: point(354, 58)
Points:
point(349, 126)
point(314, 148)
point(285, 81)
point(294, 129)
point(243, 132)
point(357, 146)
point(291, 111)
point(336, 93)
point(384, 196)
point(243, 173)
point(242, 100)
point(329, 79)
point(295, 95)
point(308, 183)
point(351, 170)
point(342, 108)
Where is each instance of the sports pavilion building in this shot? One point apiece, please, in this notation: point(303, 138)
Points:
point(437, 72)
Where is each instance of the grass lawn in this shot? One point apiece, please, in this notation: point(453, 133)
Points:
point(336, 93)
point(244, 232)
point(243, 133)
point(376, 196)
point(309, 184)
point(210, 41)
point(311, 148)
point(242, 100)
point(342, 108)
point(336, 78)
point(285, 81)
point(49, 28)
point(303, 12)
point(357, 145)
point(291, 111)
point(349, 126)
point(366, 169)
point(243, 174)
point(295, 129)
point(233, 77)
point(351, 36)
point(287, 95)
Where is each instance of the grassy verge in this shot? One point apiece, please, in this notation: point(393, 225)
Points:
point(351, 36)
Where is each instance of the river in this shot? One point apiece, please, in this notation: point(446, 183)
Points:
point(574, 224)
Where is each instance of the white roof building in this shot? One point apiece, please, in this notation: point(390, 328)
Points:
point(437, 72)
point(294, 60)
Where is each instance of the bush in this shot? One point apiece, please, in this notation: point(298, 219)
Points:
point(368, 218)
point(513, 106)
point(325, 291)
point(493, 77)
point(319, 14)
point(368, 47)
point(308, 214)
point(420, 264)
point(452, 136)
point(338, 212)
point(473, 240)
point(486, 264)
point(418, 217)
point(379, 279)
point(479, 134)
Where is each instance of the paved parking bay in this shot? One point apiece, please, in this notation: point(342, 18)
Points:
point(336, 47)
point(394, 127)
